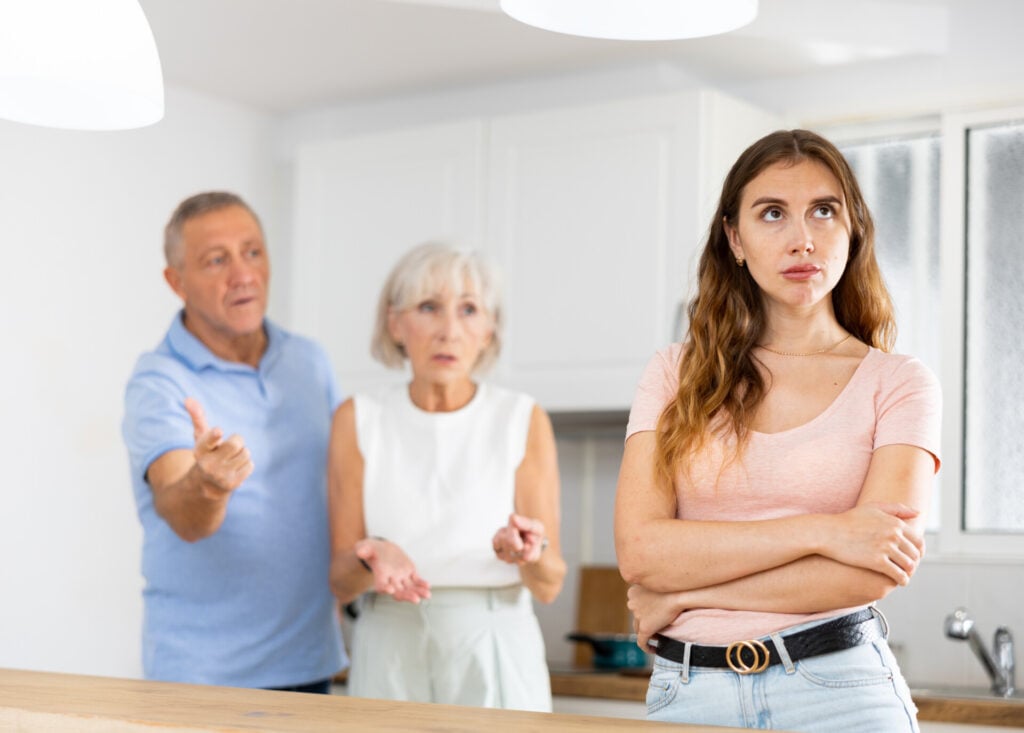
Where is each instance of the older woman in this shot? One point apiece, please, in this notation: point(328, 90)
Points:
point(778, 464)
point(444, 502)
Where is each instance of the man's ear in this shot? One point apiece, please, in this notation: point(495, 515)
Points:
point(173, 278)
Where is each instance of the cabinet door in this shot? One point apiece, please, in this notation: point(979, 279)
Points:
point(591, 215)
point(362, 202)
point(597, 215)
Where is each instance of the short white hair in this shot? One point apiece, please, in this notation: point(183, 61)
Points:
point(423, 272)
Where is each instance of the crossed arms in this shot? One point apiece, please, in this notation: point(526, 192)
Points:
point(800, 564)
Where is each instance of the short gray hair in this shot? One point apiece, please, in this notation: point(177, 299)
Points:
point(421, 273)
point(192, 207)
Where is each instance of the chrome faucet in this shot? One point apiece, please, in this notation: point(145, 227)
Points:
point(999, 662)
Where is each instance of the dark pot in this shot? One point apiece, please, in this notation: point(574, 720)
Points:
point(613, 651)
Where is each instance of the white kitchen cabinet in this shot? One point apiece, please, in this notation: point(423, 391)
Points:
point(596, 215)
point(359, 204)
point(593, 214)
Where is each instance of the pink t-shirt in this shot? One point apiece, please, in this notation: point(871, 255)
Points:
point(818, 467)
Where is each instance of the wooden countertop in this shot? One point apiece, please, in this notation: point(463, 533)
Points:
point(1004, 713)
point(51, 702)
point(933, 706)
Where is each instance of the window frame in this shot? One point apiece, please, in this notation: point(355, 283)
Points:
point(950, 542)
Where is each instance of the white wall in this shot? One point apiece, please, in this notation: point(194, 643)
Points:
point(588, 464)
point(81, 291)
point(433, 106)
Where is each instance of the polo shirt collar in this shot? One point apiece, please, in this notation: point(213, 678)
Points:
point(196, 354)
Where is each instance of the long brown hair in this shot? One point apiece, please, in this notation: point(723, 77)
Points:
point(720, 386)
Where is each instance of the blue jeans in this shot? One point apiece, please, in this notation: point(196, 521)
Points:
point(857, 690)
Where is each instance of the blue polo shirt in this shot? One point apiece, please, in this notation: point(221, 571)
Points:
point(250, 605)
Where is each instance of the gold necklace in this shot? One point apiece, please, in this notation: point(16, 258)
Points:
point(809, 353)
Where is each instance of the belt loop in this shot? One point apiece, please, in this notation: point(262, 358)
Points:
point(780, 647)
point(882, 620)
point(685, 674)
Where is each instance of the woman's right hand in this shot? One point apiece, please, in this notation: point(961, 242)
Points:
point(394, 574)
point(652, 612)
point(878, 537)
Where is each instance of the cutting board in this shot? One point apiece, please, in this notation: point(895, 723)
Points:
point(600, 607)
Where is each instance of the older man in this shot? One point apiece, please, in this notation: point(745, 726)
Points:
point(227, 424)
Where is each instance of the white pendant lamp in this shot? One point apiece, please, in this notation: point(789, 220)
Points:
point(79, 64)
point(634, 20)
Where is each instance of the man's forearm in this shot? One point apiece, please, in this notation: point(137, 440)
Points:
point(193, 507)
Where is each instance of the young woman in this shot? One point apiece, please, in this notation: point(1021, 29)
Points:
point(778, 464)
point(444, 502)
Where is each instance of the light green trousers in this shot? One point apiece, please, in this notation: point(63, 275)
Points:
point(463, 646)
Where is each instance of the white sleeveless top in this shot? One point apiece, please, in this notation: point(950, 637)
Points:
point(440, 484)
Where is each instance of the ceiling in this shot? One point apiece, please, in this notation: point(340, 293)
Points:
point(286, 56)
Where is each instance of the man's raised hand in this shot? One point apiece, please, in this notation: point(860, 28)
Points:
point(222, 464)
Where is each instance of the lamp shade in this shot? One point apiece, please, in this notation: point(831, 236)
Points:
point(85, 65)
point(634, 20)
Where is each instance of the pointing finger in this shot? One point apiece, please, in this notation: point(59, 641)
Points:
point(195, 411)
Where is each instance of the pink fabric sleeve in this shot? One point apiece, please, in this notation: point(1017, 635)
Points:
point(656, 389)
point(910, 411)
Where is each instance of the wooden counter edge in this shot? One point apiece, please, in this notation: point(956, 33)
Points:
point(58, 702)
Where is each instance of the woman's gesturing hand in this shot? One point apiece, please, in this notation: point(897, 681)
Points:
point(652, 612)
point(394, 574)
point(520, 541)
point(878, 537)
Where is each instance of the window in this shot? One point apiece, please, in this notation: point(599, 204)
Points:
point(899, 177)
point(946, 195)
point(900, 181)
point(994, 385)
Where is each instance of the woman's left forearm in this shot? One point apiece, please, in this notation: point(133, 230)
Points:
point(545, 577)
point(537, 498)
point(809, 585)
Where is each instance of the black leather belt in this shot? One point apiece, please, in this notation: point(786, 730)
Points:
point(756, 655)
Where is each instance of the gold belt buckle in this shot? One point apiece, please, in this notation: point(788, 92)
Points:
point(739, 665)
